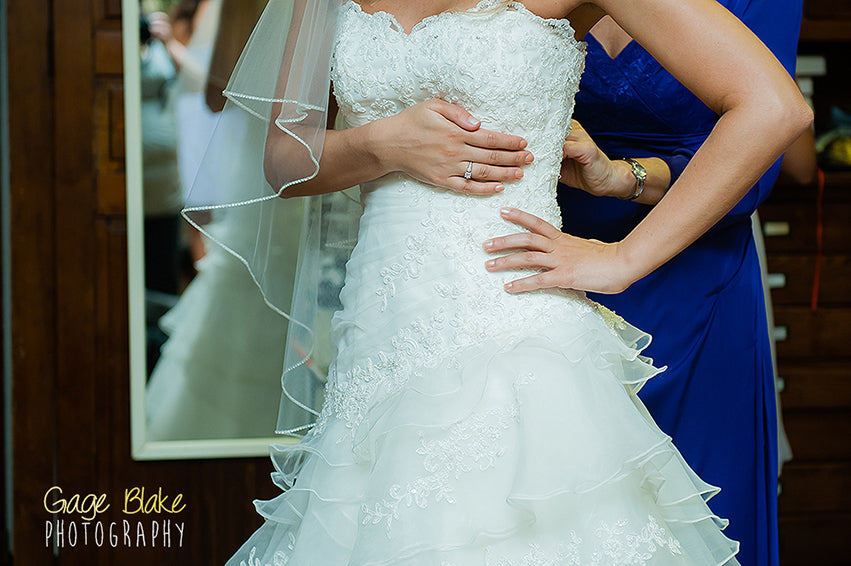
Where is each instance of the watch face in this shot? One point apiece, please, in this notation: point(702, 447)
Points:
point(637, 169)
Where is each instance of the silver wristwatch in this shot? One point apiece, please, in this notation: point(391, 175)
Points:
point(640, 174)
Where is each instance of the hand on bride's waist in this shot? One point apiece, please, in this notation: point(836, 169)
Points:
point(443, 145)
point(434, 142)
point(563, 261)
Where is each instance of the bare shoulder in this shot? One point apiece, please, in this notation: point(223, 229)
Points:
point(581, 13)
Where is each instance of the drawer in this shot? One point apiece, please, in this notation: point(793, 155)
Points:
point(791, 227)
point(820, 540)
point(815, 488)
point(802, 333)
point(827, 10)
point(819, 435)
point(816, 386)
point(791, 279)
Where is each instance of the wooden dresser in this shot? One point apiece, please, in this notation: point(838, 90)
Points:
point(814, 364)
point(814, 346)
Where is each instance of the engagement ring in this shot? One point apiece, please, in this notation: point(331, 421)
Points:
point(468, 174)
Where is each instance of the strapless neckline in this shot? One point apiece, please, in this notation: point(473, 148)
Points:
point(483, 5)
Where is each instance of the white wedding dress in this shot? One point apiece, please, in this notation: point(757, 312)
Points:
point(464, 426)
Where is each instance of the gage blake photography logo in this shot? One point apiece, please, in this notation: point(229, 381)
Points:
point(90, 530)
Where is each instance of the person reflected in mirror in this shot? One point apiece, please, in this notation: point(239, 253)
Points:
point(209, 383)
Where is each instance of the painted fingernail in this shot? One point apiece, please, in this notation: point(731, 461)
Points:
point(508, 286)
point(490, 263)
point(505, 211)
point(488, 244)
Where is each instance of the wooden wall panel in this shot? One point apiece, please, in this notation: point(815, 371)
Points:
point(71, 393)
point(109, 146)
point(75, 254)
point(107, 14)
point(33, 309)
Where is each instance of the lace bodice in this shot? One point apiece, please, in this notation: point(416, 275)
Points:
point(418, 269)
point(516, 72)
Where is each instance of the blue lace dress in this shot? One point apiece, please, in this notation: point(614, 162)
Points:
point(704, 308)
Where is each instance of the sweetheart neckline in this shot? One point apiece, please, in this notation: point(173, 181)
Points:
point(482, 5)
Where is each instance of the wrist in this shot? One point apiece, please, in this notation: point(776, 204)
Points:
point(375, 147)
point(632, 259)
point(623, 180)
point(639, 173)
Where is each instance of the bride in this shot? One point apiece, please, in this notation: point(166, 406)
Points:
point(463, 424)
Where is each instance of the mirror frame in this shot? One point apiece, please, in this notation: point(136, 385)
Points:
point(141, 447)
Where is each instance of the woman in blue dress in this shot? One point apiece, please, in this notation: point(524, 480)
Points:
point(705, 307)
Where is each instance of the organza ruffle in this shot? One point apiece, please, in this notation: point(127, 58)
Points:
point(531, 452)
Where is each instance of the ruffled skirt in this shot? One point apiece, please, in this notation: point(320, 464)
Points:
point(463, 426)
point(533, 453)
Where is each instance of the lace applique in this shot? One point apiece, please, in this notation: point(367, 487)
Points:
point(280, 558)
point(565, 554)
point(621, 548)
point(417, 346)
point(474, 443)
point(613, 320)
point(615, 545)
point(410, 269)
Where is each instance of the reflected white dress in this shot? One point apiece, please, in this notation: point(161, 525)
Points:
point(464, 426)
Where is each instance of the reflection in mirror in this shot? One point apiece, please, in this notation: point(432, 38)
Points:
point(199, 390)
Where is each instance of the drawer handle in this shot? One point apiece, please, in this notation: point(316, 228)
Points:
point(781, 333)
point(776, 280)
point(770, 229)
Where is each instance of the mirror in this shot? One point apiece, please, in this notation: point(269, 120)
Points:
point(197, 391)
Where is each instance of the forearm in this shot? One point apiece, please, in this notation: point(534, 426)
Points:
point(433, 142)
point(349, 157)
point(177, 51)
point(744, 143)
point(800, 164)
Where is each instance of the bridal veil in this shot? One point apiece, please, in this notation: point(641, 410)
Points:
point(279, 92)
